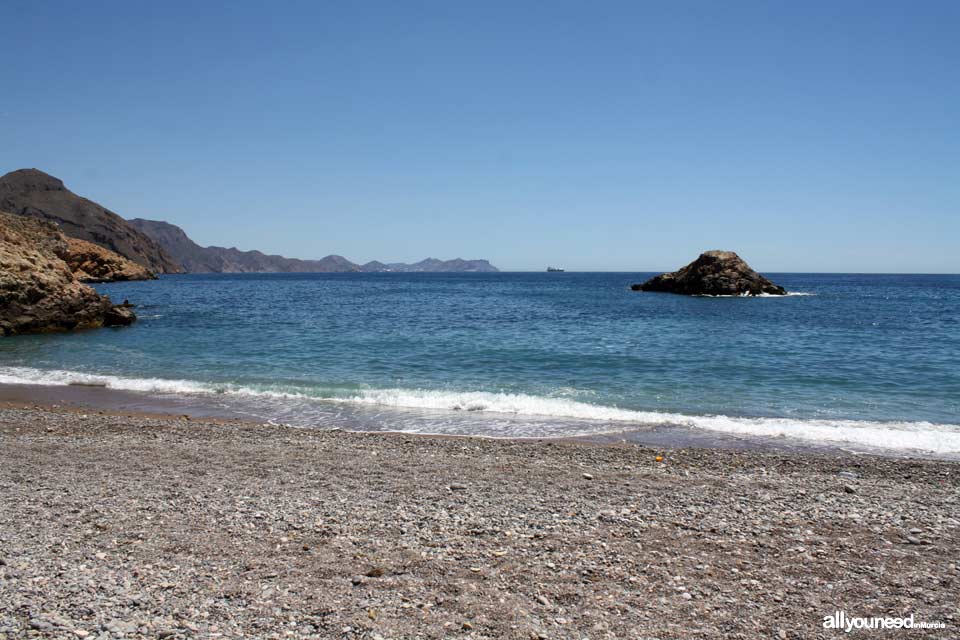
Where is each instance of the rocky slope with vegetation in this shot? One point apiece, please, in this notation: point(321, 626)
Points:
point(39, 291)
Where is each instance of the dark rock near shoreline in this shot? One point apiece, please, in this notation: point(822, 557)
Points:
point(119, 315)
point(714, 273)
point(38, 291)
point(33, 193)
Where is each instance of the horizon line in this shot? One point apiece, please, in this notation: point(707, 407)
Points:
point(508, 271)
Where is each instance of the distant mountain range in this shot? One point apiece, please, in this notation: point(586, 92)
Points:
point(197, 259)
point(165, 248)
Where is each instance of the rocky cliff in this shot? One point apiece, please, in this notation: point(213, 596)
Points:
point(92, 263)
point(30, 192)
point(714, 273)
point(197, 259)
point(38, 290)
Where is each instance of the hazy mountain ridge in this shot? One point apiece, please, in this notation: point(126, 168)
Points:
point(197, 259)
point(434, 265)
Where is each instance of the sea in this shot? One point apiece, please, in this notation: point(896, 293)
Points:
point(861, 363)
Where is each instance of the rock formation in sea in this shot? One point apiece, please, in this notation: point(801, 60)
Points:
point(38, 290)
point(714, 273)
point(30, 192)
point(198, 259)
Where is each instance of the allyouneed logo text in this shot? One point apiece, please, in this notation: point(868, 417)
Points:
point(842, 622)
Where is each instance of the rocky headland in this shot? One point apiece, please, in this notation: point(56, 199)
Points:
point(714, 273)
point(39, 291)
point(33, 193)
point(160, 247)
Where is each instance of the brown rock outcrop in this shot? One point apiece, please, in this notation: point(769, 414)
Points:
point(38, 291)
point(92, 263)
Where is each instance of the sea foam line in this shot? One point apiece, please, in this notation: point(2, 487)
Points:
point(899, 435)
point(788, 294)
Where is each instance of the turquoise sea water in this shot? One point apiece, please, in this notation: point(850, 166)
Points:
point(864, 359)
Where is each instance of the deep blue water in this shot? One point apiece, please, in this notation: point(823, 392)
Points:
point(520, 353)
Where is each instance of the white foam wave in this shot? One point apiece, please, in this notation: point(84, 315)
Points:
point(506, 403)
point(26, 375)
point(789, 294)
point(919, 436)
point(927, 436)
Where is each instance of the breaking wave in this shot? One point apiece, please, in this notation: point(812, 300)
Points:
point(891, 435)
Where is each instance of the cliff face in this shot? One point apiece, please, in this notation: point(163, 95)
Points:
point(92, 263)
point(30, 192)
point(197, 259)
point(193, 257)
point(38, 290)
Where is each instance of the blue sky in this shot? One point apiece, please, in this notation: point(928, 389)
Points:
point(807, 136)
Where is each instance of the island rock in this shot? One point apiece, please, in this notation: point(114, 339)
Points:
point(714, 273)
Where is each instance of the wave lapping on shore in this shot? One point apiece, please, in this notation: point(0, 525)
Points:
point(589, 418)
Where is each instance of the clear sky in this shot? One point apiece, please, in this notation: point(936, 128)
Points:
point(807, 136)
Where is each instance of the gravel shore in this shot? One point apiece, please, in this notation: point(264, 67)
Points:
point(150, 527)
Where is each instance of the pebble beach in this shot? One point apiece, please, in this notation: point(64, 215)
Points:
point(139, 526)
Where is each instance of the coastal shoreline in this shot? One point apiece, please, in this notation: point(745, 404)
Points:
point(120, 402)
point(144, 526)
